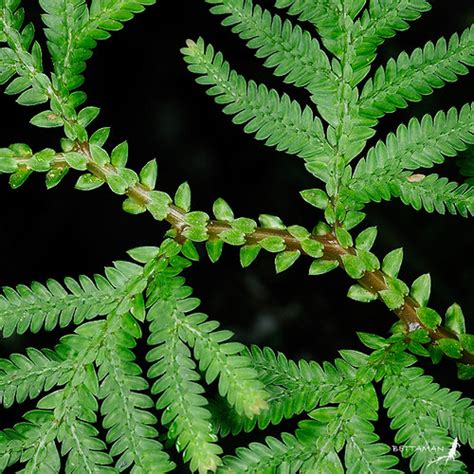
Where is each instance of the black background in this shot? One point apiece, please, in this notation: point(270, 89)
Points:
point(140, 81)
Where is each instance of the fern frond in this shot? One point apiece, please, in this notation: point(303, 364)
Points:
point(408, 397)
point(419, 144)
point(409, 77)
point(364, 452)
point(238, 381)
point(278, 120)
point(181, 396)
point(65, 20)
point(381, 20)
point(17, 443)
point(85, 451)
point(73, 31)
point(285, 455)
point(124, 405)
point(32, 84)
point(431, 193)
point(26, 376)
point(47, 306)
point(291, 51)
point(328, 16)
point(294, 388)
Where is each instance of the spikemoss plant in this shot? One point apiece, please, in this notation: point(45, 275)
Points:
point(90, 379)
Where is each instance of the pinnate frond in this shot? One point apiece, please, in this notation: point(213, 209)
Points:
point(181, 396)
point(73, 30)
point(293, 387)
point(330, 17)
point(126, 409)
point(410, 77)
point(26, 376)
point(285, 455)
point(381, 20)
point(222, 360)
point(291, 51)
point(47, 306)
point(22, 57)
point(20, 441)
point(420, 144)
point(430, 193)
point(79, 438)
point(279, 121)
point(412, 401)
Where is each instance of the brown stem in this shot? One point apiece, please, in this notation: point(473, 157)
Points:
point(372, 281)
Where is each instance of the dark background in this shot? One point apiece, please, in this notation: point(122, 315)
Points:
point(146, 94)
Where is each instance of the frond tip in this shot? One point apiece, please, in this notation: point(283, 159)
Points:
point(280, 121)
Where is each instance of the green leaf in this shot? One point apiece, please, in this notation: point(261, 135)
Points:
point(451, 347)
point(159, 205)
point(365, 240)
point(149, 174)
point(117, 184)
point(271, 222)
point(343, 237)
point(197, 218)
point(273, 244)
point(353, 265)
point(76, 161)
point(454, 319)
point(392, 262)
point(429, 317)
point(189, 251)
point(119, 155)
point(87, 115)
point(182, 197)
point(467, 342)
point(285, 260)
point(353, 219)
point(47, 119)
point(371, 262)
point(232, 237)
point(88, 182)
point(100, 136)
point(392, 298)
point(316, 197)
point(8, 164)
point(421, 289)
point(19, 178)
point(359, 293)
point(320, 267)
point(244, 225)
point(298, 232)
point(222, 210)
point(372, 341)
point(32, 97)
point(55, 175)
point(465, 372)
point(144, 254)
point(312, 247)
point(133, 207)
point(214, 249)
point(99, 155)
point(248, 253)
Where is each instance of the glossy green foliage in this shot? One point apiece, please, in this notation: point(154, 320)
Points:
point(279, 121)
point(48, 306)
point(73, 28)
point(99, 407)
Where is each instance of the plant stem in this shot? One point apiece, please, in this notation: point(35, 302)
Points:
point(373, 281)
